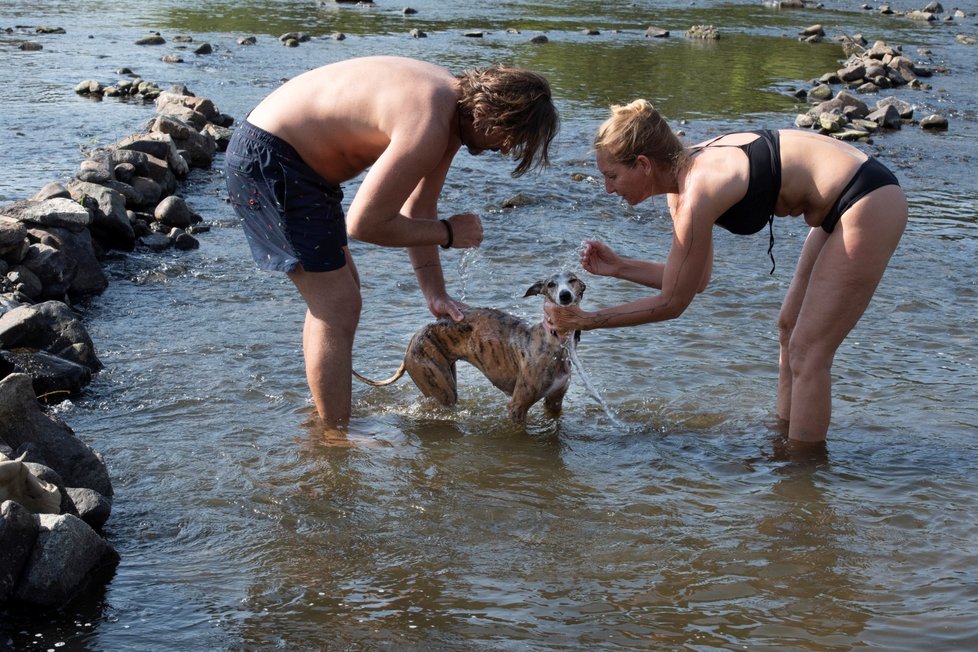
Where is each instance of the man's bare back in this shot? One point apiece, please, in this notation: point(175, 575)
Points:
point(353, 122)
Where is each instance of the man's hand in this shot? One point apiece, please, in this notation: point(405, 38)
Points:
point(445, 306)
point(466, 230)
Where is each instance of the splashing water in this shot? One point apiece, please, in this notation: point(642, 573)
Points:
point(468, 258)
point(572, 350)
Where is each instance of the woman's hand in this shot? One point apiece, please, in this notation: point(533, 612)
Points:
point(563, 319)
point(598, 258)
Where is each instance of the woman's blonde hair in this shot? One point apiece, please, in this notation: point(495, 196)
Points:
point(515, 103)
point(638, 129)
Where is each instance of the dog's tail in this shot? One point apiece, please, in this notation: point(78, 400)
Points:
point(381, 383)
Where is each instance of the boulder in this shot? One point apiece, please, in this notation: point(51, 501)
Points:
point(66, 551)
point(24, 424)
point(174, 212)
point(49, 326)
point(13, 236)
point(54, 379)
point(59, 212)
point(53, 267)
point(111, 223)
point(89, 278)
point(18, 532)
point(90, 506)
point(200, 147)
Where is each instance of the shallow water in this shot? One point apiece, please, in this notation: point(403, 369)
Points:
point(672, 523)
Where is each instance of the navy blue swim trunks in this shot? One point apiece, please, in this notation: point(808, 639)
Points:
point(290, 215)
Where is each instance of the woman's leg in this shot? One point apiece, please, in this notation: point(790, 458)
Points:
point(333, 302)
point(844, 277)
point(789, 316)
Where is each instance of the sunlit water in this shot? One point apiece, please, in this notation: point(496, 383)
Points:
point(668, 519)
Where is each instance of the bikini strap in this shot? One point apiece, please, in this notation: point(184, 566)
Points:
point(710, 142)
point(770, 242)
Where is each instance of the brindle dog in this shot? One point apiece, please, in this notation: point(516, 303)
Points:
point(527, 362)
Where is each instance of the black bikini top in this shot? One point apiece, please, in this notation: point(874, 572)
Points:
point(756, 208)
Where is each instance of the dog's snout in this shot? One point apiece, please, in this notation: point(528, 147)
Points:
point(566, 297)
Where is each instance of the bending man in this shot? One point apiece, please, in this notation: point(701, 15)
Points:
point(404, 120)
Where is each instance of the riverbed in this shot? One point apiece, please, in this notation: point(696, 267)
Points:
point(659, 514)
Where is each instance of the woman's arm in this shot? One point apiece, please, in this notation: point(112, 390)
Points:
point(684, 274)
point(598, 258)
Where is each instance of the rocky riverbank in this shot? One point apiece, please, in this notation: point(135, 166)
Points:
point(55, 491)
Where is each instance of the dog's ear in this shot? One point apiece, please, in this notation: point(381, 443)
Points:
point(534, 289)
point(583, 286)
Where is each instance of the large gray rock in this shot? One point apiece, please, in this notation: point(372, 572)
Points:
point(200, 147)
point(13, 236)
point(49, 326)
point(174, 211)
point(18, 532)
point(52, 190)
point(59, 212)
point(201, 105)
point(24, 424)
point(66, 551)
point(53, 267)
point(89, 274)
point(90, 506)
point(54, 379)
point(160, 146)
point(111, 222)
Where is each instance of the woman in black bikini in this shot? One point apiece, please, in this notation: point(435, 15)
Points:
point(739, 181)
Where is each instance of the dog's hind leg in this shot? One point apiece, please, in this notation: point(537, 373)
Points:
point(431, 370)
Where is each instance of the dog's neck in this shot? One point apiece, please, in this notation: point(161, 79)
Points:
point(552, 333)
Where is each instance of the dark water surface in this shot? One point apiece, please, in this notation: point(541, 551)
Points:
point(672, 523)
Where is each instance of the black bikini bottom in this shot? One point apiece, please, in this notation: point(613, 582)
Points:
point(871, 175)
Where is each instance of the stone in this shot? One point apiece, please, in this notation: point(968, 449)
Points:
point(934, 122)
point(90, 506)
point(13, 234)
point(54, 379)
point(48, 326)
point(65, 552)
point(110, 224)
point(59, 212)
point(18, 532)
point(22, 423)
point(54, 268)
point(173, 211)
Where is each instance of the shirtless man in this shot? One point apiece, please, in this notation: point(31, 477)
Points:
point(404, 120)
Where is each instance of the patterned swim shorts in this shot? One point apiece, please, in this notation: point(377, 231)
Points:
point(290, 215)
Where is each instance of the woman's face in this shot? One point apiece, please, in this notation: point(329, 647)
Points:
point(630, 182)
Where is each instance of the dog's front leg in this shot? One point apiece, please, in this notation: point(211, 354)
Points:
point(554, 402)
point(524, 395)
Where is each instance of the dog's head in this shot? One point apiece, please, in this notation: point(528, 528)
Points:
point(563, 288)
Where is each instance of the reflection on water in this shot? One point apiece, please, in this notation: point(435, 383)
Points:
point(676, 521)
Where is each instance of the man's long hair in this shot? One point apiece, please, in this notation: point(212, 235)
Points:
point(515, 103)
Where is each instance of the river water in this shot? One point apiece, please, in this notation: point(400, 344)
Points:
point(667, 520)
